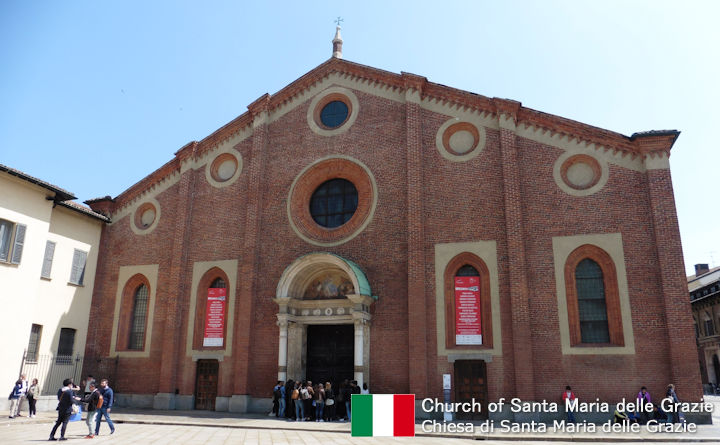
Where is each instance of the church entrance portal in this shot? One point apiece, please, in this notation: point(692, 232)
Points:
point(330, 353)
point(324, 320)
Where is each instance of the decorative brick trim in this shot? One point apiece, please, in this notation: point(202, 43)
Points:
point(308, 181)
point(612, 297)
point(485, 307)
point(126, 311)
point(201, 306)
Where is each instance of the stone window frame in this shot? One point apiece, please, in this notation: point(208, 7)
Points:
point(127, 309)
point(460, 260)
point(612, 244)
point(201, 305)
point(121, 314)
point(612, 298)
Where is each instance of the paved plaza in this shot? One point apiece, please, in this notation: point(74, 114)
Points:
point(215, 428)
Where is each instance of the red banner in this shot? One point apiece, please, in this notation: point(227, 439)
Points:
point(215, 317)
point(467, 311)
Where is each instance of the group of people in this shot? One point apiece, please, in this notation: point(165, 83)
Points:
point(21, 392)
point(99, 402)
point(640, 416)
point(302, 401)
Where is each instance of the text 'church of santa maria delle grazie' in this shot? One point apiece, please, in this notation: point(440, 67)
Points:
point(360, 224)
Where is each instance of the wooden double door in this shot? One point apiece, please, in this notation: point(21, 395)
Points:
point(471, 382)
point(206, 384)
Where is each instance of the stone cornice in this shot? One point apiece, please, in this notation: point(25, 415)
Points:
point(435, 97)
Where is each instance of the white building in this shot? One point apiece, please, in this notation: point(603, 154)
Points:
point(48, 256)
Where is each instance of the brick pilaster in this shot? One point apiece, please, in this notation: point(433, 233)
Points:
point(242, 353)
point(675, 298)
point(519, 296)
point(177, 293)
point(417, 301)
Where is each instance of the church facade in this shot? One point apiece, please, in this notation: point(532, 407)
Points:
point(361, 224)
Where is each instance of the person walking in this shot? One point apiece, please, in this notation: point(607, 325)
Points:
point(92, 398)
point(33, 394)
point(64, 408)
point(108, 398)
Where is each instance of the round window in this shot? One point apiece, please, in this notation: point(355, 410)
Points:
point(334, 114)
point(333, 203)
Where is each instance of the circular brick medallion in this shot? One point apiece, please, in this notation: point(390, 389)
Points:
point(308, 181)
point(145, 217)
point(580, 174)
point(224, 169)
point(460, 141)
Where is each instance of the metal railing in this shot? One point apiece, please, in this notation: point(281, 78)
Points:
point(52, 369)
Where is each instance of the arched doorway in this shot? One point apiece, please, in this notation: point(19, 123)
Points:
point(324, 320)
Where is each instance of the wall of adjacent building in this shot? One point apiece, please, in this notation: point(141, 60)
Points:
point(29, 299)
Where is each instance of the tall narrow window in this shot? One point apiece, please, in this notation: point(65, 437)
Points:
point(48, 260)
point(709, 328)
point(139, 317)
point(77, 275)
point(65, 346)
point(593, 299)
point(34, 343)
point(591, 302)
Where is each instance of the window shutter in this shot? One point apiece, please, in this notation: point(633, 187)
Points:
point(78, 267)
point(48, 260)
point(19, 242)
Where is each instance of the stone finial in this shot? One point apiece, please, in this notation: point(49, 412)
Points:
point(337, 43)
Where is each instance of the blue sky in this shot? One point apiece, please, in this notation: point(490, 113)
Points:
point(98, 94)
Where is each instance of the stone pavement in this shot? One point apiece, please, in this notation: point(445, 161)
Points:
point(201, 427)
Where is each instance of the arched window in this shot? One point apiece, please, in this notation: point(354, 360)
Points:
point(593, 300)
point(218, 283)
point(139, 319)
point(592, 310)
point(467, 274)
point(134, 308)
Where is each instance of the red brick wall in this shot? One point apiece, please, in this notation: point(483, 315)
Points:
point(465, 201)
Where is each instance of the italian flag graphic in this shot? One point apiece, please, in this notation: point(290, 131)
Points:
point(383, 414)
